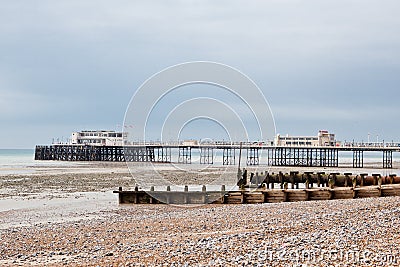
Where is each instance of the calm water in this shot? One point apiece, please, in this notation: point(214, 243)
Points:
point(16, 157)
point(13, 161)
point(19, 161)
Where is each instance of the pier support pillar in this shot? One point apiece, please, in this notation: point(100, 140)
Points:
point(206, 155)
point(387, 159)
point(228, 156)
point(185, 155)
point(358, 159)
point(252, 156)
point(163, 154)
point(150, 154)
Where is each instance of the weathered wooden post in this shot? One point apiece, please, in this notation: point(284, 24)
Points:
point(185, 196)
point(331, 183)
point(391, 178)
point(239, 174)
point(263, 186)
point(273, 181)
point(309, 182)
point(354, 181)
point(320, 179)
point(223, 194)
point(281, 179)
point(204, 194)
point(254, 178)
point(266, 180)
point(151, 200)
point(243, 181)
point(347, 177)
point(308, 179)
point(167, 195)
point(362, 175)
point(291, 177)
point(380, 185)
point(285, 185)
point(223, 188)
point(120, 198)
point(285, 192)
point(334, 177)
point(135, 199)
point(294, 178)
point(375, 176)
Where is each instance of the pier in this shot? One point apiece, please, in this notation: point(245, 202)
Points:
point(295, 156)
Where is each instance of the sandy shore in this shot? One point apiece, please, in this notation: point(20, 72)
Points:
point(63, 215)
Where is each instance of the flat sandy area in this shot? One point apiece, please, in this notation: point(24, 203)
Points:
point(68, 215)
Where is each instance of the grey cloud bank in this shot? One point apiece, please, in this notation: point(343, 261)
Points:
point(70, 65)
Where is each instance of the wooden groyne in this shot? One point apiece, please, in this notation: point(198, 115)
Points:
point(327, 187)
point(255, 197)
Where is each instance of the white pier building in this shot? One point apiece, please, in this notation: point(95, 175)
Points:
point(100, 138)
point(324, 138)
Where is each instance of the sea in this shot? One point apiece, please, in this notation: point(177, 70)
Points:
point(22, 161)
point(16, 157)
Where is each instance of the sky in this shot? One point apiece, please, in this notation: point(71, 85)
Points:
point(74, 65)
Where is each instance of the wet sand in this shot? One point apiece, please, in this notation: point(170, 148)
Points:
point(63, 215)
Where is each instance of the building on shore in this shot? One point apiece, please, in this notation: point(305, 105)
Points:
point(99, 138)
point(324, 138)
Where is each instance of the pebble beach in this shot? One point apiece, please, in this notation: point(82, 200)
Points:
point(70, 217)
point(326, 233)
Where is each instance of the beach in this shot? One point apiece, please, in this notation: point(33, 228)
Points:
point(66, 214)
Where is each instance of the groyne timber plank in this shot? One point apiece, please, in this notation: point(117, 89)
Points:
point(296, 195)
point(274, 196)
point(318, 194)
point(367, 192)
point(390, 192)
point(234, 198)
point(254, 197)
point(342, 193)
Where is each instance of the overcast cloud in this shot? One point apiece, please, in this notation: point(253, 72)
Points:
point(73, 65)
